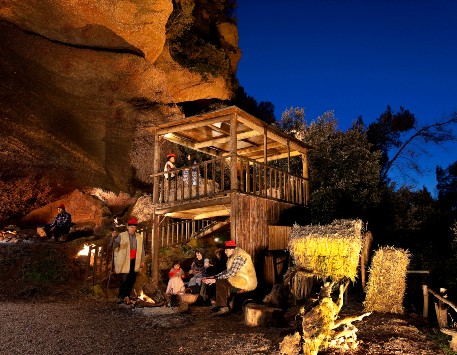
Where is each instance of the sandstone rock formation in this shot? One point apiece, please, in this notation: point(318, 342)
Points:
point(87, 212)
point(80, 80)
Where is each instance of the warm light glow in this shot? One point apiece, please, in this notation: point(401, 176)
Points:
point(216, 239)
point(145, 297)
point(85, 250)
point(168, 135)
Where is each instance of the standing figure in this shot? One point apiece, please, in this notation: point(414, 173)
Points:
point(185, 174)
point(128, 258)
point(198, 270)
point(61, 223)
point(240, 275)
point(175, 284)
point(170, 165)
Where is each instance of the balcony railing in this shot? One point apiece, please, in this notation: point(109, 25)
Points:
point(211, 178)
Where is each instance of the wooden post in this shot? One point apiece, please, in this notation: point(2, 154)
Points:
point(233, 163)
point(155, 239)
point(441, 310)
point(425, 293)
point(265, 159)
point(367, 241)
point(304, 160)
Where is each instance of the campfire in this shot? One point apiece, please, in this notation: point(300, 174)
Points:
point(145, 298)
point(83, 254)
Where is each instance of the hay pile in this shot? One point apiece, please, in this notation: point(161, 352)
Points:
point(327, 251)
point(387, 282)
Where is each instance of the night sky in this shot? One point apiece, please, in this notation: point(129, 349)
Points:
point(355, 58)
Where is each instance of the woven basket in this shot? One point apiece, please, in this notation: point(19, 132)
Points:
point(188, 298)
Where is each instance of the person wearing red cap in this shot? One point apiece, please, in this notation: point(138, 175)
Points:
point(128, 258)
point(61, 223)
point(239, 275)
point(170, 165)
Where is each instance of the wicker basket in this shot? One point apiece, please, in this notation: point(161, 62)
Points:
point(188, 298)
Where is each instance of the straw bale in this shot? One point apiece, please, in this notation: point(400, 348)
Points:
point(328, 250)
point(387, 282)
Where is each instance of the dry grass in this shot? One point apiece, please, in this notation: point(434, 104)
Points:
point(328, 251)
point(387, 282)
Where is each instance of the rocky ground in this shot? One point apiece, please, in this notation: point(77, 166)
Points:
point(62, 323)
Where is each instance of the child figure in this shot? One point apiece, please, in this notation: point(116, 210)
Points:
point(175, 284)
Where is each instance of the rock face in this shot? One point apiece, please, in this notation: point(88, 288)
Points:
point(79, 83)
point(87, 212)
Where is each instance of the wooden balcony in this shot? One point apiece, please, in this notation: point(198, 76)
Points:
point(195, 189)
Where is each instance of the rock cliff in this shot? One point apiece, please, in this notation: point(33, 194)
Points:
point(80, 80)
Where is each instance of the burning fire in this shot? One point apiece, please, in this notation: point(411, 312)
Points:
point(145, 297)
point(85, 250)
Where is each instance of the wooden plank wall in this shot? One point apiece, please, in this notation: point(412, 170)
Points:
point(278, 237)
point(250, 217)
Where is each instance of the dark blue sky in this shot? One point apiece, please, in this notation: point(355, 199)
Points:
point(355, 58)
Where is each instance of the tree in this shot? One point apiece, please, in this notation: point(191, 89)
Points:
point(344, 172)
point(401, 131)
point(447, 187)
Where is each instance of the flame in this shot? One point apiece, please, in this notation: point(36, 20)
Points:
point(145, 297)
point(85, 250)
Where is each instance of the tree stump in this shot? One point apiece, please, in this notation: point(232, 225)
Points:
point(258, 315)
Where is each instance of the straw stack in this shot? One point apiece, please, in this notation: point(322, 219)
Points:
point(327, 251)
point(387, 282)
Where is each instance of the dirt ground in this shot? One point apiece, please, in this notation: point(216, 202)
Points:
point(78, 324)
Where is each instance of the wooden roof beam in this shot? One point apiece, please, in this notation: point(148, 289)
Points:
point(185, 125)
point(279, 156)
point(174, 138)
point(254, 149)
point(272, 135)
point(182, 215)
point(239, 136)
point(224, 200)
point(218, 213)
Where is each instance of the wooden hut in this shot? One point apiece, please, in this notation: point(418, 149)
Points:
point(237, 188)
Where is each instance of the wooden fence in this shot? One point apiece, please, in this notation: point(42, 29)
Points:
point(212, 178)
point(181, 232)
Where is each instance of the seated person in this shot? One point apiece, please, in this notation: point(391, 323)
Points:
point(240, 275)
point(175, 284)
point(197, 270)
point(60, 225)
point(216, 266)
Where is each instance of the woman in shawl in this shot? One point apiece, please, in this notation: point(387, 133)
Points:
point(197, 270)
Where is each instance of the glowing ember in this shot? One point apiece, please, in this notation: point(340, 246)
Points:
point(145, 298)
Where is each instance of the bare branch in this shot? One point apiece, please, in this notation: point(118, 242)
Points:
point(437, 133)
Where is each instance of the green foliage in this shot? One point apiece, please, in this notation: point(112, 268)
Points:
point(441, 340)
point(193, 37)
point(344, 172)
point(46, 266)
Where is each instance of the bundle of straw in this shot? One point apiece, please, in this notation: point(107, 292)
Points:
point(328, 251)
point(387, 282)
